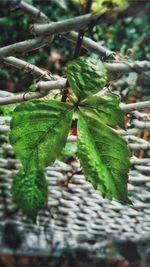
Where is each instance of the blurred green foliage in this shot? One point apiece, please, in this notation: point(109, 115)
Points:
point(128, 33)
point(14, 27)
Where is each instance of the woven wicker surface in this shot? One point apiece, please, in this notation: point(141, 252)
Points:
point(76, 216)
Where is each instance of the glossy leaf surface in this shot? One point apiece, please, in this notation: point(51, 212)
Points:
point(39, 131)
point(106, 108)
point(29, 192)
point(86, 76)
point(104, 156)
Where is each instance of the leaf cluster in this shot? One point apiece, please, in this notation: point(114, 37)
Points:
point(39, 131)
point(129, 35)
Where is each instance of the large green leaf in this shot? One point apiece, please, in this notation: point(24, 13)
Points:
point(106, 108)
point(29, 192)
point(104, 156)
point(86, 76)
point(39, 131)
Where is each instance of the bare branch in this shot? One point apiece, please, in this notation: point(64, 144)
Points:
point(65, 26)
point(20, 98)
point(77, 23)
point(33, 11)
point(126, 66)
point(28, 9)
point(91, 45)
point(24, 46)
point(27, 67)
point(5, 93)
point(114, 67)
point(42, 87)
point(135, 106)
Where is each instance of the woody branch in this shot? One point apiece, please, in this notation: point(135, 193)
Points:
point(45, 85)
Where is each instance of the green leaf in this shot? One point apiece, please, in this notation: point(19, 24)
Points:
point(104, 156)
point(106, 108)
point(104, 5)
point(7, 110)
point(86, 76)
point(39, 131)
point(29, 192)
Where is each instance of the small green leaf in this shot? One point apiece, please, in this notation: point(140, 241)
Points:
point(106, 108)
point(39, 131)
point(29, 192)
point(104, 5)
point(86, 76)
point(104, 156)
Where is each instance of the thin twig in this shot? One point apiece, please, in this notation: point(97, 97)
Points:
point(24, 46)
point(126, 66)
point(27, 67)
point(135, 106)
point(43, 89)
point(33, 11)
point(20, 98)
point(77, 23)
point(90, 45)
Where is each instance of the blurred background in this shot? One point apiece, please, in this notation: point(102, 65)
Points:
point(128, 36)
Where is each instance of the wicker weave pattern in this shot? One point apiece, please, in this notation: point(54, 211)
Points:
point(76, 215)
